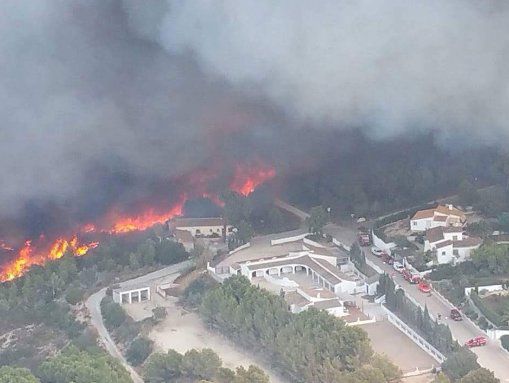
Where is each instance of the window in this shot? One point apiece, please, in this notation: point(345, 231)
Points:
point(454, 237)
point(455, 252)
point(210, 230)
point(443, 252)
point(414, 223)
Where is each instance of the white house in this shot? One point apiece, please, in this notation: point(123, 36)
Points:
point(463, 249)
point(289, 258)
point(440, 216)
point(202, 227)
point(321, 299)
point(132, 294)
point(450, 244)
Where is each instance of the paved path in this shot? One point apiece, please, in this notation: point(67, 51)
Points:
point(491, 356)
point(291, 209)
point(93, 304)
point(344, 234)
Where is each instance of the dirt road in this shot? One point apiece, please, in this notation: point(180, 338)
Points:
point(93, 304)
point(183, 331)
point(491, 356)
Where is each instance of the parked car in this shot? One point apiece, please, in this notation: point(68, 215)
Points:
point(476, 342)
point(398, 267)
point(455, 315)
point(424, 287)
point(377, 252)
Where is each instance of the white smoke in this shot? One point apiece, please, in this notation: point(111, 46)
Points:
point(390, 66)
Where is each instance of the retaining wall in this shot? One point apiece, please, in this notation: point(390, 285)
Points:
point(288, 239)
point(416, 338)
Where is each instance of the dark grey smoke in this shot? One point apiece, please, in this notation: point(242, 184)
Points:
point(392, 65)
point(91, 113)
point(105, 101)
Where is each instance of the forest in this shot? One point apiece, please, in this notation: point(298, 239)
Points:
point(311, 347)
point(354, 174)
point(38, 312)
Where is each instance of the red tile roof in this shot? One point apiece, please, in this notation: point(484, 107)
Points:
point(468, 242)
point(439, 245)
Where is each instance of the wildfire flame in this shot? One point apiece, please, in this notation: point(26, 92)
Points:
point(30, 255)
point(244, 181)
point(247, 179)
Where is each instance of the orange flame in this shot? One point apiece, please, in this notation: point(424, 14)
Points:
point(29, 255)
point(245, 181)
point(145, 220)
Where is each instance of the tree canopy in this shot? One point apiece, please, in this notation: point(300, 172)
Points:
point(197, 366)
point(460, 363)
point(317, 220)
point(16, 375)
point(481, 375)
point(311, 346)
point(73, 365)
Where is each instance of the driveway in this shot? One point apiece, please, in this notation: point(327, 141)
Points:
point(93, 304)
point(491, 356)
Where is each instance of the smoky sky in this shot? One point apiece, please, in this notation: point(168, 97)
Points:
point(92, 113)
point(104, 101)
point(390, 66)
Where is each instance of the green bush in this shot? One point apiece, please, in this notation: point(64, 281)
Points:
point(491, 315)
point(483, 323)
point(74, 295)
point(504, 339)
point(139, 350)
point(112, 313)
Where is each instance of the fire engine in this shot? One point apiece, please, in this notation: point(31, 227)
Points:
point(424, 286)
point(364, 239)
point(455, 315)
point(410, 277)
point(476, 342)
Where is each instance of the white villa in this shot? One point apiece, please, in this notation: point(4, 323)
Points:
point(440, 216)
point(450, 244)
point(302, 299)
point(289, 256)
point(201, 227)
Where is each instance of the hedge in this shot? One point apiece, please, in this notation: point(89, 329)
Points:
point(504, 339)
point(491, 315)
point(401, 215)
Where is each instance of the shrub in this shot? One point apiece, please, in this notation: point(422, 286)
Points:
point(113, 314)
point(194, 293)
point(504, 339)
point(139, 350)
point(483, 323)
point(492, 316)
point(74, 295)
point(159, 313)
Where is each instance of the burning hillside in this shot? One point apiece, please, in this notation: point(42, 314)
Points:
point(115, 222)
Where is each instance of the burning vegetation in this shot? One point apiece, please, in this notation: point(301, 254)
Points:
point(115, 222)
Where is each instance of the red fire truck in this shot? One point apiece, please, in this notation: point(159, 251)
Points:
point(411, 277)
point(364, 239)
point(476, 342)
point(424, 286)
point(455, 315)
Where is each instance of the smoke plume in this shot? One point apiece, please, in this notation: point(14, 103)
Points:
point(107, 101)
point(389, 66)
